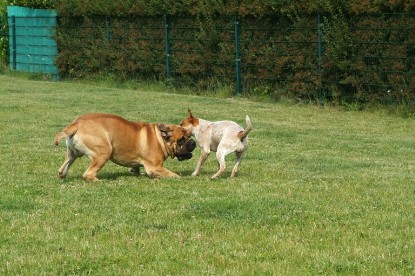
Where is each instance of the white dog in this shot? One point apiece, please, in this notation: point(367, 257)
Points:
point(222, 137)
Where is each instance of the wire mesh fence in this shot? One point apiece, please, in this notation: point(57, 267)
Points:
point(373, 59)
point(125, 47)
point(318, 58)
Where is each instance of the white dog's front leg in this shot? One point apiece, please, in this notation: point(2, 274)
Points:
point(202, 159)
point(222, 165)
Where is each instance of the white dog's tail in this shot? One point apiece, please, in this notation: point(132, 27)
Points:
point(243, 133)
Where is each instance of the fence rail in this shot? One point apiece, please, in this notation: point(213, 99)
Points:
point(320, 58)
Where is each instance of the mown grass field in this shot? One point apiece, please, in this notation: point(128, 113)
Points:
point(321, 191)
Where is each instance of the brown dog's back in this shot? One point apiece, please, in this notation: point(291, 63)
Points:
point(82, 122)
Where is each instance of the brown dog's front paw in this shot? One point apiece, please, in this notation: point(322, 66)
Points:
point(216, 175)
point(90, 177)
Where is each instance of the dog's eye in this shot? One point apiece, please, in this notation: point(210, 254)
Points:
point(181, 141)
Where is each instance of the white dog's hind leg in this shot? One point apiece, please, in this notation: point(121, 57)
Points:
point(221, 153)
point(223, 150)
point(239, 156)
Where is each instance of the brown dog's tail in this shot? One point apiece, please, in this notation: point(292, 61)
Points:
point(66, 132)
point(243, 133)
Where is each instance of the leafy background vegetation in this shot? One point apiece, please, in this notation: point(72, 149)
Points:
point(321, 191)
point(369, 54)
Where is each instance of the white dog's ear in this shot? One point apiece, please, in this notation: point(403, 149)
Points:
point(165, 131)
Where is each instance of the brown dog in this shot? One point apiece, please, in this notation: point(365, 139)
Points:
point(104, 137)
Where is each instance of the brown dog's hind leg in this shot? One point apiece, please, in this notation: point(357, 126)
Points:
point(96, 165)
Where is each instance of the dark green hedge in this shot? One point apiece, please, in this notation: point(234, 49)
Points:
point(368, 53)
point(370, 58)
point(256, 8)
point(124, 47)
point(226, 7)
point(364, 58)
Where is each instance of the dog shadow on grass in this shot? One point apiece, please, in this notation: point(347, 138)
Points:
point(126, 175)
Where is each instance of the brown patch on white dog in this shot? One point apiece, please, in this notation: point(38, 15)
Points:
point(222, 137)
point(102, 137)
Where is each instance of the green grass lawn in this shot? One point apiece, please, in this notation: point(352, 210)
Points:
point(321, 191)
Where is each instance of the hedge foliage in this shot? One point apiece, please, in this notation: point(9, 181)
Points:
point(364, 58)
point(368, 53)
point(226, 7)
point(122, 47)
point(218, 7)
point(371, 58)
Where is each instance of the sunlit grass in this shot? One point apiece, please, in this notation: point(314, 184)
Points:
point(321, 191)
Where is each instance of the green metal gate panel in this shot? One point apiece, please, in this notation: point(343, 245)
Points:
point(31, 40)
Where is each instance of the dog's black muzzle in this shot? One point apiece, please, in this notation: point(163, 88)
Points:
point(185, 151)
point(184, 156)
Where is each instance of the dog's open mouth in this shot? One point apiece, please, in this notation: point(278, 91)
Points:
point(184, 156)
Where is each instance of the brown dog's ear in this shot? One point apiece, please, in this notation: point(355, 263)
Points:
point(165, 131)
point(190, 113)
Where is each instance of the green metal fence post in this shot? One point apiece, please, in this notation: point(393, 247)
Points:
point(108, 28)
point(320, 56)
point(237, 58)
point(14, 62)
point(167, 39)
